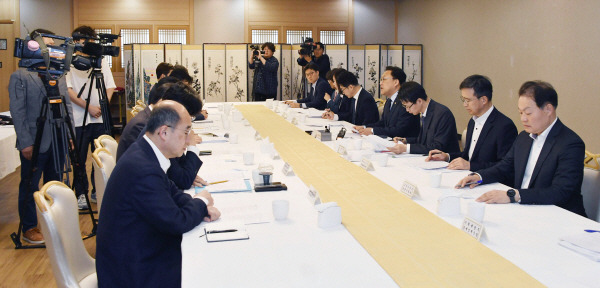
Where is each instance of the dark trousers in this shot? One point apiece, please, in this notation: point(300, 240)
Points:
point(91, 132)
point(263, 97)
point(45, 165)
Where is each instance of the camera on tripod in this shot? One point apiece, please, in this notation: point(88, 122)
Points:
point(307, 47)
point(39, 57)
point(94, 51)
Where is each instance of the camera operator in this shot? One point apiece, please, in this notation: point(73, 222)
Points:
point(319, 58)
point(26, 92)
point(265, 75)
point(76, 79)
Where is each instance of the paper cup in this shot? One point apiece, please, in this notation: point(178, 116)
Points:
point(248, 158)
point(233, 138)
point(280, 209)
point(476, 211)
point(435, 179)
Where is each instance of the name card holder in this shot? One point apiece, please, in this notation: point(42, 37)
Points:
point(342, 150)
point(409, 189)
point(313, 196)
point(287, 170)
point(295, 121)
point(474, 228)
point(366, 164)
point(317, 135)
point(257, 136)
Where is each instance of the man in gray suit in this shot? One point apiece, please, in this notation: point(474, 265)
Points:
point(27, 93)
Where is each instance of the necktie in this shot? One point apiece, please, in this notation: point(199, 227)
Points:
point(391, 104)
point(312, 91)
point(421, 136)
point(353, 109)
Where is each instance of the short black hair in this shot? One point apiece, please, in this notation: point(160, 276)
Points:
point(162, 115)
point(320, 45)
point(346, 78)
point(312, 66)
point(181, 73)
point(329, 75)
point(41, 31)
point(270, 45)
point(482, 86)
point(185, 95)
point(412, 91)
point(541, 92)
point(163, 69)
point(336, 74)
point(397, 73)
point(158, 90)
point(84, 30)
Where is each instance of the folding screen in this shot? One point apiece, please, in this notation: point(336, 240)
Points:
point(214, 73)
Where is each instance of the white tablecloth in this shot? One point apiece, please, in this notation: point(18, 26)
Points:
point(9, 161)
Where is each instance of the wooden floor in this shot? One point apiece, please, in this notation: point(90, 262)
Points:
point(27, 267)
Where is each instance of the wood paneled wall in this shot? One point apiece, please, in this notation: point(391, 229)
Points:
point(314, 15)
point(9, 30)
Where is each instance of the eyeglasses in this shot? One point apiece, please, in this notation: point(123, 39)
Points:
point(466, 100)
point(384, 78)
point(310, 74)
point(186, 131)
point(403, 105)
point(342, 89)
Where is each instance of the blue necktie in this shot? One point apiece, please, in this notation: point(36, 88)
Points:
point(353, 109)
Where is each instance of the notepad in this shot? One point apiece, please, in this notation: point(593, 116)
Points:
point(225, 231)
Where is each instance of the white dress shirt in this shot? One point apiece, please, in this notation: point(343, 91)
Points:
point(534, 154)
point(479, 122)
point(314, 86)
point(336, 117)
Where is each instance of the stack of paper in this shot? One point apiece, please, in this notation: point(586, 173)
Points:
point(584, 243)
point(379, 144)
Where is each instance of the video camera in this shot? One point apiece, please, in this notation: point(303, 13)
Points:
point(36, 56)
point(94, 51)
point(256, 51)
point(307, 47)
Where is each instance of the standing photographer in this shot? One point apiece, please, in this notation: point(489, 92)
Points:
point(26, 91)
point(265, 75)
point(94, 127)
point(315, 53)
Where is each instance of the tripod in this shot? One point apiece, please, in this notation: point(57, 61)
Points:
point(54, 111)
point(97, 76)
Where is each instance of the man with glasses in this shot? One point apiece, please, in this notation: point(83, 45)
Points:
point(437, 128)
point(358, 106)
point(144, 214)
point(318, 88)
point(321, 59)
point(395, 121)
point(490, 134)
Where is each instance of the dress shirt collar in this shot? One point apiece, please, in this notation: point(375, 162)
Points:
point(544, 134)
point(151, 106)
point(357, 93)
point(162, 160)
point(481, 119)
point(424, 114)
point(393, 98)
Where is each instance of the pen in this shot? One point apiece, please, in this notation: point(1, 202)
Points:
point(467, 184)
point(221, 231)
point(592, 231)
point(218, 182)
point(383, 151)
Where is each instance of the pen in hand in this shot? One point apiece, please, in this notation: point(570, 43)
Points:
point(468, 184)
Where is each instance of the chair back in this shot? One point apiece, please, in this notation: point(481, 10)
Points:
point(590, 190)
point(463, 140)
point(110, 144)
point(103, 163)
point(380, 106)
point(72, 266)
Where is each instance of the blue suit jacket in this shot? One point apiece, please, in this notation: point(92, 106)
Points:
point(144, 215)
point(439, 131)
point(557, 175)
point(397, 122)
point(334, 104)
point(132, 131)
point(495, 139)
point(366, 109)
point(317, 100)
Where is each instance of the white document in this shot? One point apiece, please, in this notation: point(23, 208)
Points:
point(431, 165)
point(585, 243)
point(379, 144)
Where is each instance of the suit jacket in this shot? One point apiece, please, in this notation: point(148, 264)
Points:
point(495, 139)
point(439, 131)
point(132, 131)
point(144, 216)
point(366, 109)
point(557, 175)
point(184, 169)
point(334, 104)
point(27, 93)
point(317, 100)
point(397, 122)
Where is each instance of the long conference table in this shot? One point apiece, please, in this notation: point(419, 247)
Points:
point(386, 238)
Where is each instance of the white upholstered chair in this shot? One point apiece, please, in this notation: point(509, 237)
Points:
point(103, 163)
point(463, 139)
point(72, 266)
point(590, 189)
point(109, 143)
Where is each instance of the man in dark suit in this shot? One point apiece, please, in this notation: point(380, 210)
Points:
point(318, 88)
point(395, 121)
point(438, 128)
point(335, 99)
point(134, 127)
point(26, 92)
point(144, 215)
point(490, 134)
point(358, 106)
point(546, 160)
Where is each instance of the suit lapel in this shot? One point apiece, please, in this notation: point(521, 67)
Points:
point(521, 158)
point(427, 120)
point(545, 151)
point(469, 138)
point(37, 81)
point(487, 126)
point(386, 111)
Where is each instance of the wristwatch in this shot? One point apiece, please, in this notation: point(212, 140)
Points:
point(511, 195)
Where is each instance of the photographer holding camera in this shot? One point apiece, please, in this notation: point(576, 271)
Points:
point(265, 75)
point(315, 53)
point(27, 93)
point(94, 127)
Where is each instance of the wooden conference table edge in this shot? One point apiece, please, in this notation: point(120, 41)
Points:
point(379, 217)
